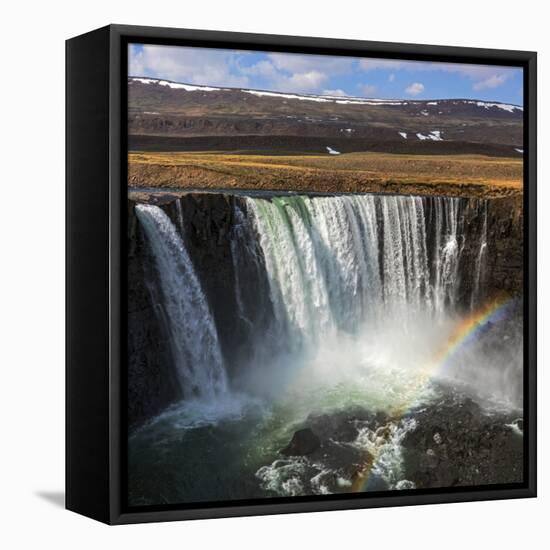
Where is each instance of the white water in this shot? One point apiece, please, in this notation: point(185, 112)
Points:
point(193, 337)
point(480, 261)
point(447, 254)
point(335, 263)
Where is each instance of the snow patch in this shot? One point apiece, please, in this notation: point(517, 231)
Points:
point(434, 135)
point(504, 106)
point(332, 151)
point(144, 80)
point(176, 85)
point(519, 150)
point(326, 98)
point(369, 102)
point(287, 96)
point(403, 134)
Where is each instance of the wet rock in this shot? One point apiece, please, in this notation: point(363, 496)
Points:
point(343, 426)
point(303, 442)
point(431, 460)
point(519, 423)
point(455, 442)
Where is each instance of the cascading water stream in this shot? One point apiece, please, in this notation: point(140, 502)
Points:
point(334, 263)
point(450, 237)
point(193, 337)
point(480, 260)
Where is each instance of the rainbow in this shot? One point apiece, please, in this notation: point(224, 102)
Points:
point(471, 327)
point(467, 331)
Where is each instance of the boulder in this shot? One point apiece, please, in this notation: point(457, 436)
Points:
point(303, 442)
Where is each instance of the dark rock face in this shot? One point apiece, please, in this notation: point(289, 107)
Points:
point(303, 442)
point(456, 443)
point(499, 222)
point(506, 244)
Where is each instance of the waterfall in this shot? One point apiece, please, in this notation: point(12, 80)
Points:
point(336, 262)
point(405, 266)
point(297, 286)
point(447, 252)
point(481, 260)
point(193, 337)
point(240, 242)
point(307, 270)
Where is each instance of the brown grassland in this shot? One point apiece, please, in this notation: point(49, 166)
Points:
point(453, 175)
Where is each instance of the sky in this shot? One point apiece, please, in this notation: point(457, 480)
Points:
point(326, 75)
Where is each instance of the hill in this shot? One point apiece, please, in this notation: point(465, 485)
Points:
point(169, 116)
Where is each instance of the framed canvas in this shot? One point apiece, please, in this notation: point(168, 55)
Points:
point(301, 274)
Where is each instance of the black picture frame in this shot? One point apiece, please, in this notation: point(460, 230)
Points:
point(96, 214)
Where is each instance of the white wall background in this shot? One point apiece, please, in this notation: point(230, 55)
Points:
point(32, 273)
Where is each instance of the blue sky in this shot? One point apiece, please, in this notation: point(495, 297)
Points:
point(330, 75)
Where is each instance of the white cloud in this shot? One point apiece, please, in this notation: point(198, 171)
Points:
point(300, 63)
point(283, 81)
point(305, 82)
point(368, 89)
point(416, 88)
point(492, 82)
point(285, 72)
point(278, 71)
point(190, 65)
point(262, 68)
point(482, 76)
point(136, 63)
point(337, 92)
